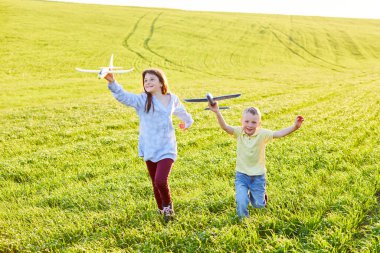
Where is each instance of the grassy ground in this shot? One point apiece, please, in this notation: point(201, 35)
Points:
point(70, 178)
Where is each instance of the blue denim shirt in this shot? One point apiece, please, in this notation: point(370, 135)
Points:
point(157, 139)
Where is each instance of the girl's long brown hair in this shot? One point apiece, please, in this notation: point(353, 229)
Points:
point(164, 89)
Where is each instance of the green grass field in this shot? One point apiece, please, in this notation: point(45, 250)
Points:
point(70, 178)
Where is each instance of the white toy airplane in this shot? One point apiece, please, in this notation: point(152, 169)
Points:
point(209, 98)
point(105, 70)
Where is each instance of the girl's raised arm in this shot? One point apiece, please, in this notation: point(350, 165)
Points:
point(124, 97)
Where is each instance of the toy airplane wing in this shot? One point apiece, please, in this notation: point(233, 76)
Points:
point(87, 70)
point(195, 100)
point(206, 99)
point(121, 71)
point(211, 100)
point(226, 97)
point(220, 107)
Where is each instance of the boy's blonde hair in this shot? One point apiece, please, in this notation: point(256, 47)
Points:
point(253, 111)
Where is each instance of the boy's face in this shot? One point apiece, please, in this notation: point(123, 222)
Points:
point(250, 123)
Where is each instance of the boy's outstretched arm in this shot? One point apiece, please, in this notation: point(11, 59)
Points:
point(222, 123)
point(289, 130)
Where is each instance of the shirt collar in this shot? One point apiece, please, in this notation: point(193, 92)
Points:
point(253, 135)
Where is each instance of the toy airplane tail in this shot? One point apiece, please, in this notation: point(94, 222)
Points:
point(111, 66)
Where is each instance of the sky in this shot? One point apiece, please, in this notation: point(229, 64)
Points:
point(326, 8)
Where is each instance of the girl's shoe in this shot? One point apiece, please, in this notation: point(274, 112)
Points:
point(168, 212)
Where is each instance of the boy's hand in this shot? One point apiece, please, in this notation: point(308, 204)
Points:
point(215, 107)
point(298, 122)
point(109, 77)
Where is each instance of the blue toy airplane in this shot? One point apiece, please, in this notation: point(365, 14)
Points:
point(211, 100)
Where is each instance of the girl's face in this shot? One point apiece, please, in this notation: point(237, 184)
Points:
point(250, 123)
point(152, 84)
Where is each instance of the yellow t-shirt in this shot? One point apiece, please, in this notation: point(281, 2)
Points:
point(250, 151)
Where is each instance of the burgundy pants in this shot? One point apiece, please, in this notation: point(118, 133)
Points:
point(159, 173)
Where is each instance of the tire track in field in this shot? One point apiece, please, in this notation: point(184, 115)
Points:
point(147, 47)
point(208, 60)
point(337, 92)
point(243, 37)
point(333, 44)
point(263, 52)
point(352, 46)
point(265, 41)
point(218, 34)
point(126, 40)
point(235, 42)
point(298, 54)
point(237, 50)
point(322, 62)
point(146, 41)
point(374, 51)
point(311, 54)
point(308, 52)
point(182, 68)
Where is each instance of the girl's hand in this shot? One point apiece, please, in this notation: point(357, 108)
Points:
point(109, 77)
point(298, 122)
point(182, 125)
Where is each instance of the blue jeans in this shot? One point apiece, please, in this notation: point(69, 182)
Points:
point(249, 189)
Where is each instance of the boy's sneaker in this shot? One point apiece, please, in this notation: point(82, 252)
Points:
point(168, 212)
point(160, 212)
point(266, 199)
